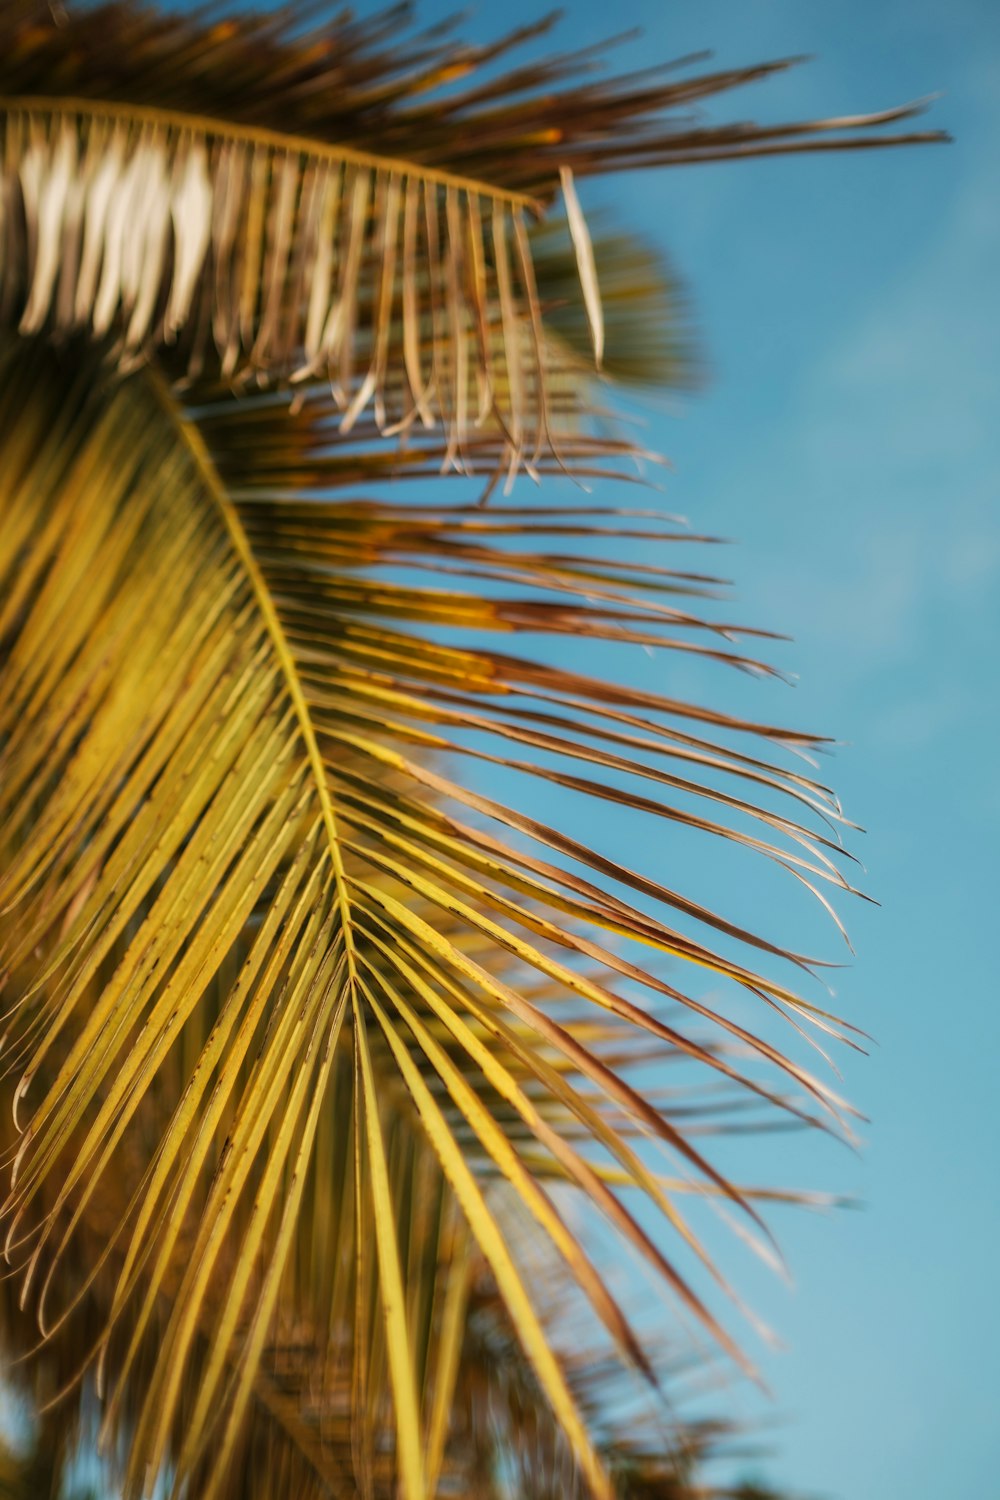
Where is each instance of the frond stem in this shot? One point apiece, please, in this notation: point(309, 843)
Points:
point(241, 544)
point(260, 135)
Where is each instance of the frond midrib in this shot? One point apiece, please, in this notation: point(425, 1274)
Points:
point(183, 123)
point(189, 435)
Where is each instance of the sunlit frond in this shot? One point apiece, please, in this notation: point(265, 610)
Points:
point(377, 241)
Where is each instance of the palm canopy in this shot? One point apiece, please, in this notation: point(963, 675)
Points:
point(299, 1020)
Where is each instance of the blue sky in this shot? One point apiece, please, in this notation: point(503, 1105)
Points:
point(849, 440)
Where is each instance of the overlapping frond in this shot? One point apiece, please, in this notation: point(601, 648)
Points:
point(287, 205)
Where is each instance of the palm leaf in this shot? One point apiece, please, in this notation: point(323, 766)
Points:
point(259, 936)
point(197, 758)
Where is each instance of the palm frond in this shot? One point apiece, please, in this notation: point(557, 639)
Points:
point(174, 200)
point(214, 744)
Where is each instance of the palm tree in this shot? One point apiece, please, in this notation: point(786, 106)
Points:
point(324, 1062)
